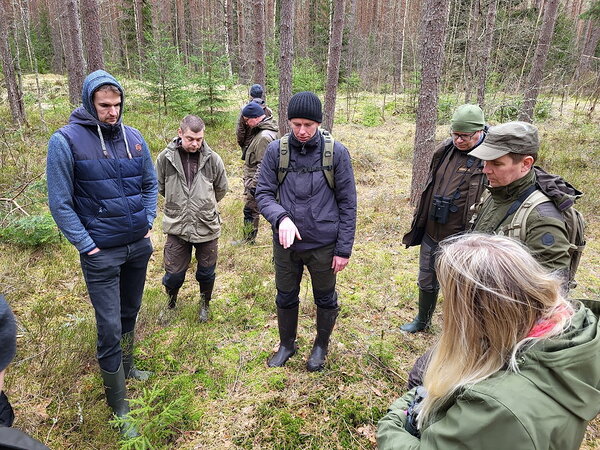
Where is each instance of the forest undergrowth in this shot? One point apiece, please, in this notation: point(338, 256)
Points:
point(212, 388)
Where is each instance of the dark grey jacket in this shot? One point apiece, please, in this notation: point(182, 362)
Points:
point(323, 216)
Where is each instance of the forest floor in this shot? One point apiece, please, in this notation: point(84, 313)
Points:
point(212, 388)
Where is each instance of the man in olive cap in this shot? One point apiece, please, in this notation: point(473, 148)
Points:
point(454, 183)
point(509, 153)
point(264, 131)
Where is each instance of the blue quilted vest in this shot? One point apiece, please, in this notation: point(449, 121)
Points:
point(108, 187)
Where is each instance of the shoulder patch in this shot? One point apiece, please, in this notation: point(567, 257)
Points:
point(548, 239)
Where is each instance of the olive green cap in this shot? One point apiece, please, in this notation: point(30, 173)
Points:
point(512, 137)
point(468, 119)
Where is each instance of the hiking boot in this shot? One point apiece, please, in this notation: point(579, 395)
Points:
point(206, 289)
point(129, 368)
point(427, 301)
point(114, 388)
point(287, 322)
point(325, 321)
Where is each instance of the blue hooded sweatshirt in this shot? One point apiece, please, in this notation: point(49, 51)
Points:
point(102, 186)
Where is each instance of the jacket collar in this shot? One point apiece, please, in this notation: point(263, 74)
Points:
point(513, 190)
point(309, 146)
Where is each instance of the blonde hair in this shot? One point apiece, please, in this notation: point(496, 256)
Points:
point(494, 293)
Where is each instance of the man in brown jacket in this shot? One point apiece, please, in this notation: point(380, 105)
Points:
point(192, 179)
point(455, 182)
point(265, 130)
point(245, 133)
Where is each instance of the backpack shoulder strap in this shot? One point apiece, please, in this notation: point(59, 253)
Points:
point(518, 224)
point(284, 157)
point(327, 160)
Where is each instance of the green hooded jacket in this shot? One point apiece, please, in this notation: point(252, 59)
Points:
point(191, 213)
point(546, 405)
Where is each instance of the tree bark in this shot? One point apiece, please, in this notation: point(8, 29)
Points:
point(92, 36)
point(260, 74)
point(592, 38)
point(486, 50)
point(434, 23)
point(286, 61)
point(15, 95)
point(539, 61)
point(181, 30)
point(333, 62)
point(76, 66)
point(138, 18)
point(58, 56)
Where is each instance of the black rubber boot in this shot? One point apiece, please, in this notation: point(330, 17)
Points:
point(287, 322)
point(172, 293)
point(114, 388)
point(127, 341)
point(325, 321)
point(250, 232)
point(206, 289)
point(427, 301)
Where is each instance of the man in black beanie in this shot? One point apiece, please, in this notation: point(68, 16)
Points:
point(264, 131)
point(313, 215)
point(9, 437)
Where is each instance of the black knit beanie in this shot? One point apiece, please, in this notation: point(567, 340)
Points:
point(8, 334)
point(256, 90)
point(252, 110)
point(305, 105)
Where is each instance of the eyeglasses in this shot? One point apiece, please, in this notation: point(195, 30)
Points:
point(464, 137)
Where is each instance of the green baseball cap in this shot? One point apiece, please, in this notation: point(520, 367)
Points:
point(468, 119)
point(512, 137)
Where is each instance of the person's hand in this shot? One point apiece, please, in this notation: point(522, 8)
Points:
point(288, 232)
point(148, 233)
point(338, 264)
point(94, 251)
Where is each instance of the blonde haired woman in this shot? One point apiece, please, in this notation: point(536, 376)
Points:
point(517, 365)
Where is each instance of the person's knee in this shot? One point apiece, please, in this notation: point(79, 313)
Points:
point(326, 300)
point(173, 280)
point(205, 274)
point(287, 300)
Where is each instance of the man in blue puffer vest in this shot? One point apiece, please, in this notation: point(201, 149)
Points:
point(102, 193)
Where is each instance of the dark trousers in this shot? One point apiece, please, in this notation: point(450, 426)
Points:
point(115, 280)
point(427, 279)
point(289, 266)
point(177, 258)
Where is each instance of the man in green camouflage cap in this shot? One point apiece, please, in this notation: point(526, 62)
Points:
point(454, 183)
point(509, 153)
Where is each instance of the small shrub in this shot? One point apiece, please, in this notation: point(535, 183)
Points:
point(31, 231)
point(371, 116)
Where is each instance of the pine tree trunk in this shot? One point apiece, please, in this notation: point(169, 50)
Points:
point(15, 95)
point(434, 22)
point(486, 50)
point(539, 61)
point(139, 34)
point(182, 32)
point(286, 61)
point(592, 37)
point(260, 74)
point(333, 62)
point(76, 66)
point(58, 57)
point(92, 37)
